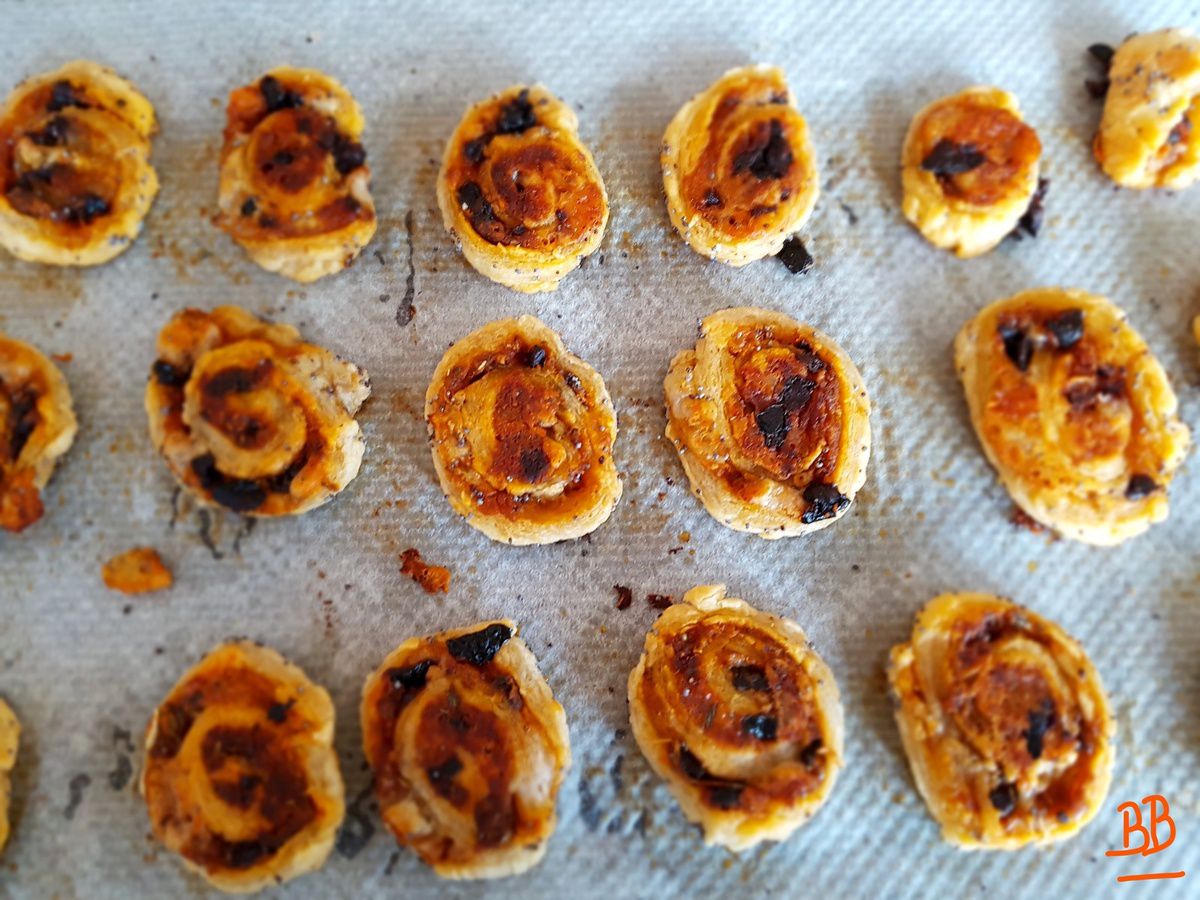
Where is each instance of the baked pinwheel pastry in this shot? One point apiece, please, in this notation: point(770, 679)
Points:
point(771, 421)
point(970, 170)
point(37, 426)
point(1005, 723)
point(522, 434)
point(739, 169)
point(250, 417)
point(741, 718)
point(295, 186)
point(469, 748)
point(1073, 411)
point(1147, 135)
point(10, 738)
point(75, 174)
point(240, 776)
point(520, 191)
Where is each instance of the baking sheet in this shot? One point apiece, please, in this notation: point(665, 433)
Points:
point(84, 667)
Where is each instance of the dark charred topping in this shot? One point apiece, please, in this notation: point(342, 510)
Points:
point(281, 483)
point(22, 420)
point(750, 678)
point(690, 766)
point(624, 596)
point(1067, 328)
point(808, 356)
point(470, 197)
point(411, 678)
point(725, 796)
point(1107, 383)
point(237, 494)
point(234, 381)
point(535, 357)
point(63, 96)
point(951, 158)
point(479, 648)
point(659, 601)
point(824, 502)
point(573, 381)
point(85, 209)
point(54, 134)
point(174, 721)
point(1140, 487)
point(249, 208)
point(768, 155)
point(760, 727)
point(795, 256)
point(442, 777)
point(516, 115)
point(1004, 797)
point(773, 424)
point(348, 155)
point(1180, 133)
point(810, 753)
point(473, 150)
point(534, 464)
point(1018, 344)
point(1035, 213)
point(712, 198)
point(278, 712)
point(1041, 720)
point(1102, 54)
point(494, 820)
point(797, 391)
point(275, 97)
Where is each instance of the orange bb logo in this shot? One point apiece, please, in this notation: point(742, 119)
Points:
point(1146, 834)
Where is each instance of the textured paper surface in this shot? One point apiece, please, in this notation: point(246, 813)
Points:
point(82, 666)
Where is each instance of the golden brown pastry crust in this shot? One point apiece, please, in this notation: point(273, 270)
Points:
point(741, 718)
point(295, 186)
point(522, 434)
point(520, 191)
point(970, 169)
point(469, 749)
point(1073, 411)
point(1148, 134)
point(75, 174)
point(10, 738)
point(240, 775)
point(739, 169)
point(1005, 723)
point(37, 426)
point(250, 417)
point(771, 421)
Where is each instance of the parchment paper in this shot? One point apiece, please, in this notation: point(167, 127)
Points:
point(84, 667)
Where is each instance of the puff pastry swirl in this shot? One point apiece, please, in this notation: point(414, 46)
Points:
point(240, 776)
point(37, 426)
point(1005, 723)
point(469, 748)
point(741, 718)
point(1073, 411)
point(75, 174)
point(295, 185)
point(250, 417)
point(520, 191)
point(739, 169)
point(522, 434)
point(771, 421)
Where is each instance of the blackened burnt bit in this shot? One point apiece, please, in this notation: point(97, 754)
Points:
point(824, 502)
point(1040, 721)
point(624, 596)
point(1018, 345)
point(760, 727)
point(1004, 797)
point(1140, 487)
point(480, 647)
point(516, 115)
point(952, 158)
point(534, 464)
point(237, 494)
point(750, 678)
point(773, 425)
point(725, 796)
point(767, 156)
point(1035, 214)
point(62, 96)
point(795, 256)
point(411, 678)
point(275, 96)
point(1067, 328)
point(470, 197)
point(535, 357)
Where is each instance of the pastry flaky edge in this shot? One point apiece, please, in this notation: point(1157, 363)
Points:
point(698, 234)
point(10, 738)
point(1152, 380)
point(25, 239)
point(322, 768)
point(951, 223)
point(920, 724)
point(1154, 85)
point(722, 504)
point(519, 268)
point(518, 532)
point(730, 828)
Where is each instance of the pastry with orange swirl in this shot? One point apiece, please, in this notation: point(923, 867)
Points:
point(1149, 135)
point(240, 776)
point(469, 748)
point(1073, 411)
point(739, 169)
point(10, 739)
point(522, 434)
point(520, 191)
point(1005, 723)
point(75, 175)
point(771, 421)
point(295, 186)
point(734, 710)
point(37, 427)
point(252, 418)
point(970, 169)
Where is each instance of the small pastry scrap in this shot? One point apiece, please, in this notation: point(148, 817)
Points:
point(520, 191)
point(522, 434)
point(469, 749)
point(10, 738)
point(240, 776)
point(295, 186)
point(1005, 723)
point(970, 169)
point(1148, 134)
point(771, 421)
point(137, 571)
point(250, 417)
point(37, 426)
point(1073, 411)
point(739, 169)
point(741, 718)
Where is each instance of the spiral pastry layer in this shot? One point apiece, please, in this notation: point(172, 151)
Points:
point(1073, 411)
point(522, 434)
point(240, 776)
point(250, 417)
point(75, 174)
point(469, 748)
point(771, 421)
point(520, 191)
point(295, 186)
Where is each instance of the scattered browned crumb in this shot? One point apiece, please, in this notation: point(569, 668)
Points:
point(137, 571)
point(1022, 519)
point(64, 357)
point(659, 601)
point(624, 596)
point(433, 579)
